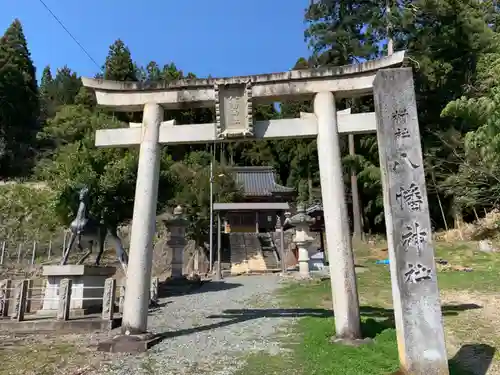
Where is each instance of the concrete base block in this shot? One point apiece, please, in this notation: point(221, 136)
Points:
point(38, 324)
point(87, 291)
point(129, 343)
point(74, 313)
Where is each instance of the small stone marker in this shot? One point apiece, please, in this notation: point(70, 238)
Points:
point(417, 307)
point(64, 299)
point(20, 306)
point(108, 300)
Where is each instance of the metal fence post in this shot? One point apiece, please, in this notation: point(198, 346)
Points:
point(19, 250)
point(3, 253)
point(50, 249)
point(6, 293)
point(33, 255)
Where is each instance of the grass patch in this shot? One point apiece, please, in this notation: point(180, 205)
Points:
point(267, 364)
point(314, 354)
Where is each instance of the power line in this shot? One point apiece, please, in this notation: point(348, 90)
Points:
point(71, 35)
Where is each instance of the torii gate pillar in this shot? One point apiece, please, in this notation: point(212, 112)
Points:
point(135, 311)
point(342, 275)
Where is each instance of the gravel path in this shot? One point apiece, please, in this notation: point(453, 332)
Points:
point(208, 331)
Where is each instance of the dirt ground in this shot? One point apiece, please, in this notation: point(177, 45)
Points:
point(472, 326)
point(52, 354)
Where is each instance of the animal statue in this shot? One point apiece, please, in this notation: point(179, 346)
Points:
point(86, 230)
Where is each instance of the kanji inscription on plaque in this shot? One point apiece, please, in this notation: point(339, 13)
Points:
point(233, 109)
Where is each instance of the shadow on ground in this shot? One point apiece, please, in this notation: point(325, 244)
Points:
point(376, 319)
point(447, 310)
point(472, 359)
point(243, 315)
point(169, 289)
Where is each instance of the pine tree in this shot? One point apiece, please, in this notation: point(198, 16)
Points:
point(119, 65)
point(66, 84)
point(85, 97)
point(46, 82)
point(46, 97)
point(19, 106)
point(153, 71)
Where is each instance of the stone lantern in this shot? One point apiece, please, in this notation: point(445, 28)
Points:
point(176, 224)
point(302, 238)
point(288, 215)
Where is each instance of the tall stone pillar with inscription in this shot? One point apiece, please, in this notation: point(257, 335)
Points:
point(176, 225)
point(342, 273)
point(417, 307)
point(135, 310)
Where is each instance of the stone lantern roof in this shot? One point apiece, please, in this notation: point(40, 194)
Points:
point(301, 217)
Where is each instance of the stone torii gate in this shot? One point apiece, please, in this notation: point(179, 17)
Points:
point(233, 99)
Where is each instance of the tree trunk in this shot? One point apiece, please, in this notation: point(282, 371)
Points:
point(439, 201)
point(356, 205)
point(390, 41)
point(310, 188)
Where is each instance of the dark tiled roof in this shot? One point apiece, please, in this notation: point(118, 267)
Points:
point(258, 181)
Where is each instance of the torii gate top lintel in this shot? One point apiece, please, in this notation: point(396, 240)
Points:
point(233, 100)
point(344, 81)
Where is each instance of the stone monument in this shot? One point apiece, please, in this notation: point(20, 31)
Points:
point(417, 307)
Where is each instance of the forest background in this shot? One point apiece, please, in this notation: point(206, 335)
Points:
point(47, 128)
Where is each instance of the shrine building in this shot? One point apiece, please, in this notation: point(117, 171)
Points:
point(263, 201)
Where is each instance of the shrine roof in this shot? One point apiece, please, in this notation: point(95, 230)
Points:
point(258, 181)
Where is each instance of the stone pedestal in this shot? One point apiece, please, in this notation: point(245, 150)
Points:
point(302, 238)
point(87, 287)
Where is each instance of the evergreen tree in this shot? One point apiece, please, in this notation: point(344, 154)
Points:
point(46, 98)
point(119, 65)
point(66, 86)
point(19, 108)
point(46, 81)
point(444, 39)
point(153, 71)
point(85, 97)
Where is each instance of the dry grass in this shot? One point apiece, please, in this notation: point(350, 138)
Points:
point(69, 354)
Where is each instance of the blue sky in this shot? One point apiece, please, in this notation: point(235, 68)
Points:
point(218, 37)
